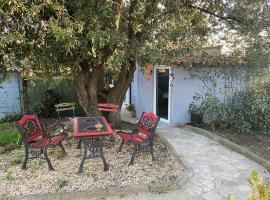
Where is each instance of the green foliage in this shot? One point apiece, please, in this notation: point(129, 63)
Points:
point(236, 97)
point(57, 153)
point(250, 110)
point(63, 90)
point(10, 176)
point(210, 107)
point(61, 38)
point(62, 183)
point(35, 165)
point(48, 103)
point(11, 117)
point(9, 134)
point(82, 40)
point(131, 108)
point(260, 189)
point(246, 112)
point(18, 160)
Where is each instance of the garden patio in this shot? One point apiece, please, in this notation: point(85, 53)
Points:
point(35, 178)
point(130, 99)
point(214, 172)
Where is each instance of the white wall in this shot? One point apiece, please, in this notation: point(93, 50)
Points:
point(182, 91)
point(144, 99)
point(10, 94)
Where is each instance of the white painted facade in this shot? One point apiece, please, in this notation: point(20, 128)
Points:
point(182, 89)
point(10, 98)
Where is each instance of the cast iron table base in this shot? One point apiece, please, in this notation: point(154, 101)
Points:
point(95, 147)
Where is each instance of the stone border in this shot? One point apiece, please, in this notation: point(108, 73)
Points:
point(161, 187)
point(230, 145)
point(8, 147)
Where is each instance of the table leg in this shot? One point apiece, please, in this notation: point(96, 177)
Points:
point(95, 146)
point(79, 144)
point(85, 146)
point(106, 166)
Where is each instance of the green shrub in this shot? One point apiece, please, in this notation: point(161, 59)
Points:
point(11, 117)
point(9, 134)
point(210, 107)
point(9, 175)
point(260, 189)
point(62, 183)
point(246, 112)
point(249, 111)
point(131, 108)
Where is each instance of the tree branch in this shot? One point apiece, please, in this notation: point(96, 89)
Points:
point(228, 18)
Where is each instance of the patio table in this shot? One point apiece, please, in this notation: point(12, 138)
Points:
point(91, 131)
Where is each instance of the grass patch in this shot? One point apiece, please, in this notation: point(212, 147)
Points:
point(18, 160)
point(9, 134)
point(57, 153)
point(35, 165)
point(10, 176)
point(62, 183)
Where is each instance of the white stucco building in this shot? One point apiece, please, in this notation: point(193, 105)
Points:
point(169, 91)
point(10, 94)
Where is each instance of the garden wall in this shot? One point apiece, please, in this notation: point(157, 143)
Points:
point(65, 91)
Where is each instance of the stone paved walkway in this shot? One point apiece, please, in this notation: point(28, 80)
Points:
point(217, 171)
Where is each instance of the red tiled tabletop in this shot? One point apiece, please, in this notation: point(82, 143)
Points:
point(85, 127)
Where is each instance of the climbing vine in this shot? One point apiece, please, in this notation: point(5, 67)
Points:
point(233, 95)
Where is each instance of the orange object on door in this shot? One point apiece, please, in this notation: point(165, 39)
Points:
point(148, 70)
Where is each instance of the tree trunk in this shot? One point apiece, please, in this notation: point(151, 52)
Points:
point(117, 94)
point(25, 97)
point(87, 90)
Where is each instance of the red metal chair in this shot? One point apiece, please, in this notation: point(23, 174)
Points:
point(108, 107)
point(36, 140)
point(142, 136)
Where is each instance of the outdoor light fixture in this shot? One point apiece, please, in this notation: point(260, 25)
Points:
point(171, 75)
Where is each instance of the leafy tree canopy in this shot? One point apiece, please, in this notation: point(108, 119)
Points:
point(83, 39)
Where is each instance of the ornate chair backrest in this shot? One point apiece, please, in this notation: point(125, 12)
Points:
point(148, 124)
point(30, 128)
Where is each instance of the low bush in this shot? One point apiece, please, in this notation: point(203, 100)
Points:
point(260, 189)
point(131, 108)
point(9, 134)
point(250, 110)
point(247, 111)
point(11, 117)
point(62, 183)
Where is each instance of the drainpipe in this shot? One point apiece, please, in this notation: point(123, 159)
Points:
point(19, 86)
point(130, 95)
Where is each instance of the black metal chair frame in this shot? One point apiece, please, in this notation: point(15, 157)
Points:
point(37, 152)
point(145, 146)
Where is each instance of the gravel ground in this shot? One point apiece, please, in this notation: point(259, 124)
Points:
point(37, 179)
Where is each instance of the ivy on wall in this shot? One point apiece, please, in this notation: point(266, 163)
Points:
point(235, 96)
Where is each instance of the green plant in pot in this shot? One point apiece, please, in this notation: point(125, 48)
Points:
point(196, 113)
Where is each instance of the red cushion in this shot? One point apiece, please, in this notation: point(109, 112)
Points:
point(46, 141)
point(32, 138)
point(127, 137)
point(138, 138)
point(57, 139)
point(41, 143)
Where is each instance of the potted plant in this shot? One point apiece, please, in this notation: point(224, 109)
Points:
point(196, 114)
